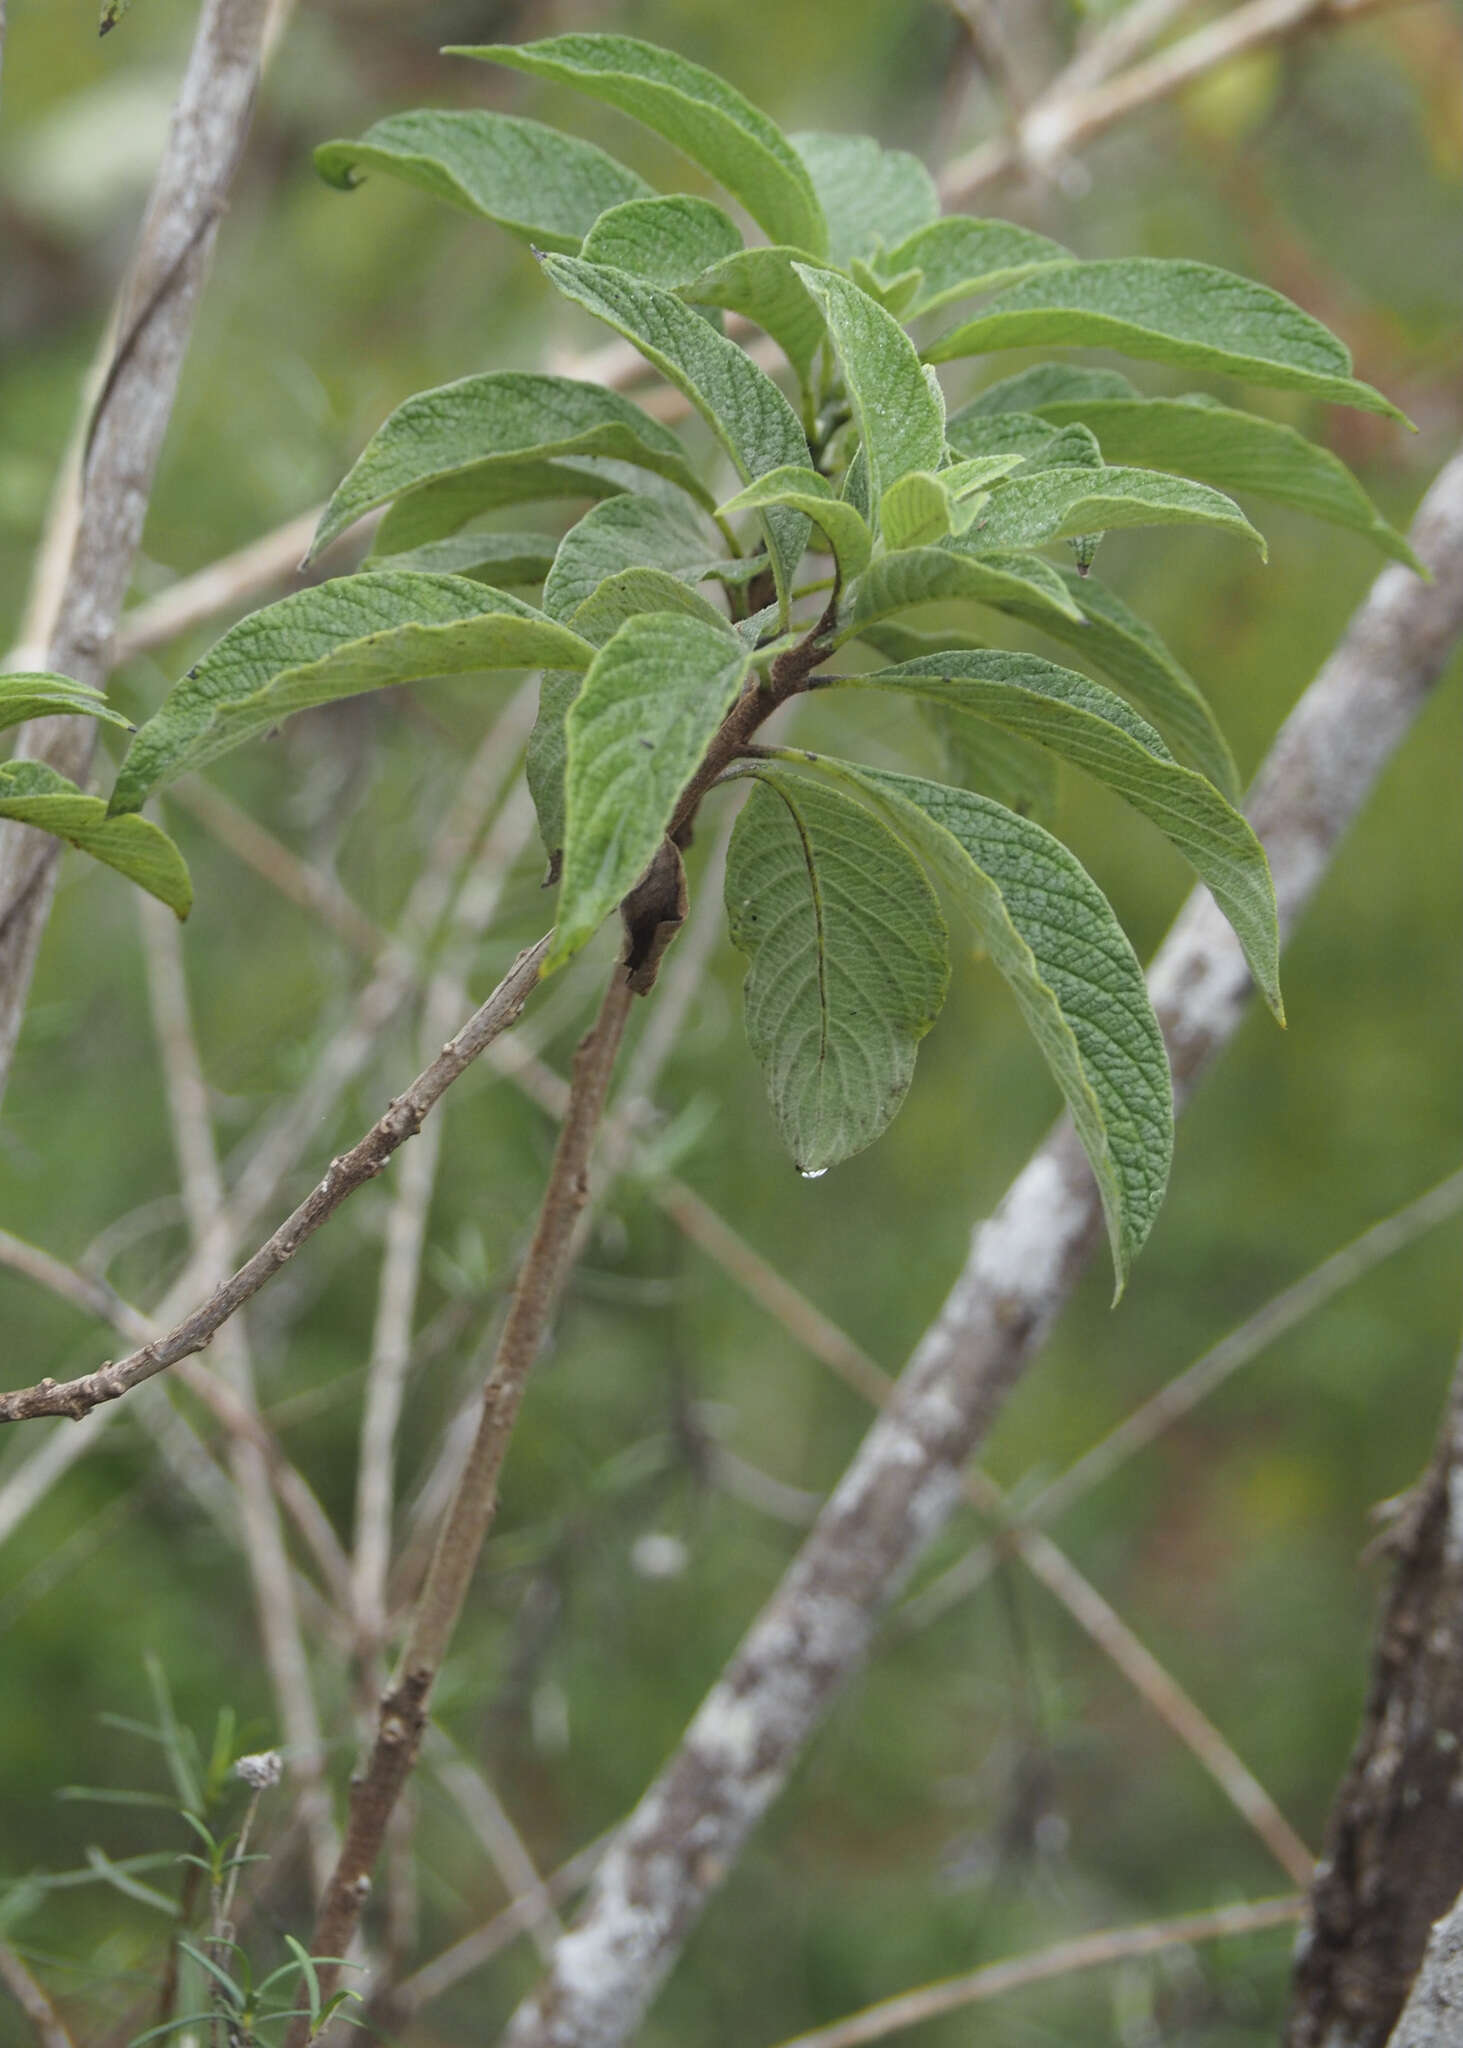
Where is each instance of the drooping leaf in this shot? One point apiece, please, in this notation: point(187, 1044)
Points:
point(984, 757)
point(975, 473)
point(1044, 384)
point(807, 492)
point(649, 707)
point(916, 511)
point(1172, 311)
point(763, 285)
point(1051, 504)
point(869, 195)
point(32, 794)
point(742, 406)
point(315, 646)
point(34, 693)
point(1090, 727)
point(901, 416)
point(1130, 654)
point(704, 117)
point(507, 417)
point(486, 557)
point(1024, 584)
point(543, 762)
point(545, 187)
point(848, 962)
point(1235, 451)
point(667, 241)
point(436, 510)
point(959, 256)
point(1051, 932)
point(629, 533)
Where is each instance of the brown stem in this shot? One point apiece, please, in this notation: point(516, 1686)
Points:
point(403, 1715)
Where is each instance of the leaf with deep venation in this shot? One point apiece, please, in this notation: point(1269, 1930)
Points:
point(636, 733)
point(546, 187)
point(35, 693)
point(1045, 384)
point(1024, 584)
point(1172, 311)
point(1056, 503)
point(763, 285)
point(917, 510)
point(1024, 436)
point(845, 529)
point(358, 633)
point(869, 195)
point(848, 962)
point(958, 256)
point(1051, 932)
point(631, 533)
point(487, 557)
point(900, 414)
point(32, 794)
point(438, 510)
point(508, 417)
point(1094, 730)
point(667, 241)
point(704, 117)
point(741, 405)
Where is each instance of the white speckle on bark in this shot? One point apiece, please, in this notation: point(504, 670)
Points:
point(1020, 1250)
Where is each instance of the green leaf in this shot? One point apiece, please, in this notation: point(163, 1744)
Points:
point(666, 241)
point(1090, 727)
point(1021, 583)
point(358, 633)
point(963, 478)
point(763, 285)
point(984, 757)
point(543, 186)
point(33, 693)
point(1051, 932)
point(1052, 504)
point(487, 557)
point(1236, 451)
point(1043, 384)
point(869, 195)
point(704, 117)
point(958, 256)
point(632, 591)
point(848, 962)
point(628, 533)
point(807, 492)
point(1130, 653)
point(32, 794)
point(436, 510)
point(503, 417)
point(901, 416)
point(916, 511)
point(1024, 435)
point(1172, 311)
point(636, 733)
point(742, 406)
point(543, 762)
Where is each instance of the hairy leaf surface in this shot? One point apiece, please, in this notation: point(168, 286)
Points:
point(845, 529)
point(764, 285)
point(35, 693)
point(1053, 503)
point(649, 706)
point(667, 241)
point(848, 962)
point(437, 510)
point(1021, 583)
point(901, 416)
point(1173, 311)
point(869, 195)
point(704, 117)
point(959, 256)
point(505, 417)
point(358, 633)
point(917, 510)
point(631, 533)
point(486, 557)
point(32, 794)
point(546, 187)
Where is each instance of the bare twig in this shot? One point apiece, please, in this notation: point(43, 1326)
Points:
point(77, 1398)
point(1087, 1952)
point(1126, 35)
point(482, 1809)
point(126, 431)
point(14, 1975)
point(1022, 1265)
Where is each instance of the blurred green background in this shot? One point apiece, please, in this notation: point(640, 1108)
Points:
point(991, 1783)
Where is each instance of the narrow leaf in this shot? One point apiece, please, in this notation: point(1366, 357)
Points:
point(1236, 451)
point(1172, 311)
point(764, 285)
point(337, 640)
point(486, 557)
point(666, 241)
point(901, 419)
point(870, 195)
point(37, 694)
point(848, 962)
point(651, 702)
point(742, 406)
point(958, 256)
point(542, 185)
point(1052, 504)
point(503, 417)
point(807, 492)
point(32, 794)
point(1096, 731)
point(703, 116)
point(1021, 583)
point(1051, 932)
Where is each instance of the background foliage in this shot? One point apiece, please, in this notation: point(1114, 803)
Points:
point(991, 1783)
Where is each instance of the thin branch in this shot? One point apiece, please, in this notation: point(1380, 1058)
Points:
point(1087, 1952)
point(127, 425)
point(352, 1170)
point(480, 1807)
point(1117, 42)
point(1022, 1265)
point(14, 1975)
